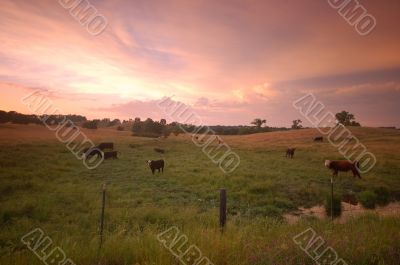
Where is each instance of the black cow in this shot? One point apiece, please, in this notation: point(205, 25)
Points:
point(94, 151)
point(290, 152)
point(103, 146)
point(156, 165)
point(111, 154)
point(319, 139)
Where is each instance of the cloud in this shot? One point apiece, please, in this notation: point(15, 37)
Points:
point(232, 60)
point(135, 108)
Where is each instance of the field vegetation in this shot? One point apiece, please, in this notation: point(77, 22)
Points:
point(43, 185)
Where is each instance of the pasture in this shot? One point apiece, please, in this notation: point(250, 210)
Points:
point(43, 185)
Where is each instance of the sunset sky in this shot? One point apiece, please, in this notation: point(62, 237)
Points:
point(232, 60)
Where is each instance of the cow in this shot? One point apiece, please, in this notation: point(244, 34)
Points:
point(290, 152)
point(344, 166)
point(319, 139)
point(159, 150)
point(103, 146)
point(111, 154)
point(156, 165)
point(89, 152)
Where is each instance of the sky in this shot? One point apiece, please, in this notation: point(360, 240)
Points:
point(231, 60)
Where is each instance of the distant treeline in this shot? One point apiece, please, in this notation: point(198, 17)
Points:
point(150, 128)
point(243, 129)
point(146, 128)
point(18, 118)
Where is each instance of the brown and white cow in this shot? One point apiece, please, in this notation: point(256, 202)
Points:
point(344, 166)
point(156, 165)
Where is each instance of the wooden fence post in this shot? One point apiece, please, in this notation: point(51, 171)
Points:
point(222, 209)
point(332, 199)
point(102, 215)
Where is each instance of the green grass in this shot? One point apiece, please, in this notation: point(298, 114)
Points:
point(43, 185)
point(367, 199)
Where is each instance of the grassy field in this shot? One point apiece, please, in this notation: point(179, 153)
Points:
point(43, 185)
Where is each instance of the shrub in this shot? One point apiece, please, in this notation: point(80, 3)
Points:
point(337, 205)
point(367, 199)
point(350, 197)
point(120, 128)
point(382, 196)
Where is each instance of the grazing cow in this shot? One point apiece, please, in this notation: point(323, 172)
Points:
point(94, 151)
point(156, 165)
point(111, 154)
point(159, 150)
point(103, 146)
point(290, 152)
point(319, 139)
point(344, 166)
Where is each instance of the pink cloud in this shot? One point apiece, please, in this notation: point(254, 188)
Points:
point(226, 58)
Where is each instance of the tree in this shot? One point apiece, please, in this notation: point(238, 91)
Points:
point(148, 128)
point(137, 126)
point(297, 124)
point(115, 122)
point(4, 117)
point(163, 122)
point(258, 122)
point(91, 124)
point(346, 118)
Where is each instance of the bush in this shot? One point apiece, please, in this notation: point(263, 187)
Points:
point(382, 196)
point(337, 206)
point(120, 128)
point(350, 197)
point(367, 199)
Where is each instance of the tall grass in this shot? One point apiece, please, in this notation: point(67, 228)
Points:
point(43, 185)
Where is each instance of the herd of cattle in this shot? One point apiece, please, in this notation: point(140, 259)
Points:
point(104, 149)
point(335, 166)
point(107, 151)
